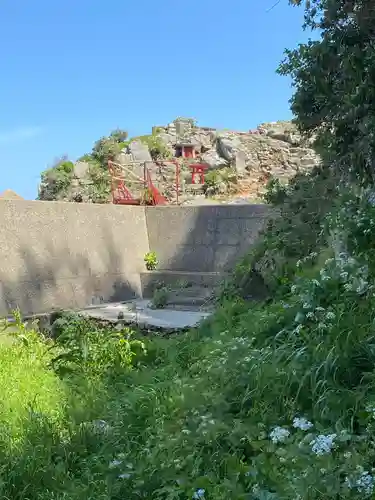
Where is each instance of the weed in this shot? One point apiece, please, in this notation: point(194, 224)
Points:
point(160, 297)
point(151, 261)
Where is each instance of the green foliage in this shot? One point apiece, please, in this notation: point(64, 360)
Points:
point(270, 401)
point(151, 261)
point(332, 75)
point(107, 148)
point(84, 347)
point(275, 192)
point(160, 297)
point(294, 232)
point(157, 147)
point(219, 181)
point(56, 181)
point(100, 190)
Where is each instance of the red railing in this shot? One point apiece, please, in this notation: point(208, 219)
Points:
point(155, 195)
point(122, 196)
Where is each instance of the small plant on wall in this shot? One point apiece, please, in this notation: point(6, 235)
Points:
point(151, 261)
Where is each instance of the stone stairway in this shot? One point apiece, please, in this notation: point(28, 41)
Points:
point(185, 290)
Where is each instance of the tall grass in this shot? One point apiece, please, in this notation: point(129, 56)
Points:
point(263, 401)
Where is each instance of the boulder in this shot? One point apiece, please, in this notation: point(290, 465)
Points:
point(139, 151)
point(81, 169)
point(214, 160)
point(240, 162)
point(227, 146)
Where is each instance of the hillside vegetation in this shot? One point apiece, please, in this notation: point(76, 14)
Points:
point(266, 401)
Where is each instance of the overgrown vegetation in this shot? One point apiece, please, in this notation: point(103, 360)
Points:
point(61, 182)
point(266, 400)
point(221, 181)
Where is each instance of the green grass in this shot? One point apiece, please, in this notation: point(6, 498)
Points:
point(211, 413)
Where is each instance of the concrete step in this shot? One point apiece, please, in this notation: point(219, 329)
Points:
point(179, 280)
point(194, 296)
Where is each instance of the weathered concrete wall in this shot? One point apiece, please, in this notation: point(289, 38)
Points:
point(63, 255)
point(203, 238)
point(71, 255)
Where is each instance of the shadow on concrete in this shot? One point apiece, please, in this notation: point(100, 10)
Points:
point(203, 238)
point(191, 239)
point(61, 280)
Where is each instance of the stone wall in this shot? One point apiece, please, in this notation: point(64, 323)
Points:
point(72, 255)
point(203, 238)
point(68, 255)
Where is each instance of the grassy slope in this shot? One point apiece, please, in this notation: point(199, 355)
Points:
point(195, 415)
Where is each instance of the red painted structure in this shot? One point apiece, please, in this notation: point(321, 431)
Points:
point(121, 194)
point(185, 151)
point(198, 169)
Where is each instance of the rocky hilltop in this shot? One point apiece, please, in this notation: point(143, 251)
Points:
point(237, 162)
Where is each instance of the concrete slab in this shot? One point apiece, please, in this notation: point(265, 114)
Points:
point(141, 314)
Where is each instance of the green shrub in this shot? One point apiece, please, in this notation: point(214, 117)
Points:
point(85, 347)
point(219, 181)
point(151, 261)
point(275, 192)
point(160, 297)
point(56, 181)
point(294, 232)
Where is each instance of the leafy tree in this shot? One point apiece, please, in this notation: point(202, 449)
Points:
point(333, 76)
point(107, 148)
point(56, 180)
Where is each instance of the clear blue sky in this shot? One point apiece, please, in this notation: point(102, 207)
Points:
point(73, 70)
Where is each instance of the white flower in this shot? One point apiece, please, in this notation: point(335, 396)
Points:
point(330, 315)
point(115, 463)
point(323, 444)
point(365, 483)
point(101, 425)
point(279, 435)
point(293, 289)
point(125, 475)
point(302, 423)
point(199, 494)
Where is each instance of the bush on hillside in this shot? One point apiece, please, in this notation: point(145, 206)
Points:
point(294, 232)
point(107, 148)
point(56, 181)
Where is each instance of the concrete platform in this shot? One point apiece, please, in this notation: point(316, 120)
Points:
point(140, 313)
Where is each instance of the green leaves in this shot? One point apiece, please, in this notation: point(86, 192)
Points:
point(335, 97)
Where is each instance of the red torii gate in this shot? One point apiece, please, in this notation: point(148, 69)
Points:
point(198, 169)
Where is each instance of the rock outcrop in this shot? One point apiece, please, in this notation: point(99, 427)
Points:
point(272, 149)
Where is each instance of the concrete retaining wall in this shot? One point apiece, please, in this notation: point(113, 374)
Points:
point(71, 255)
point(203, 238)
point(64, 255)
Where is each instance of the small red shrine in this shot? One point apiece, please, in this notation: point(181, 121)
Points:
point(185, 150)
point(197, 172)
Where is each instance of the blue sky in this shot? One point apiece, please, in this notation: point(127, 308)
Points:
point(73, 70)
